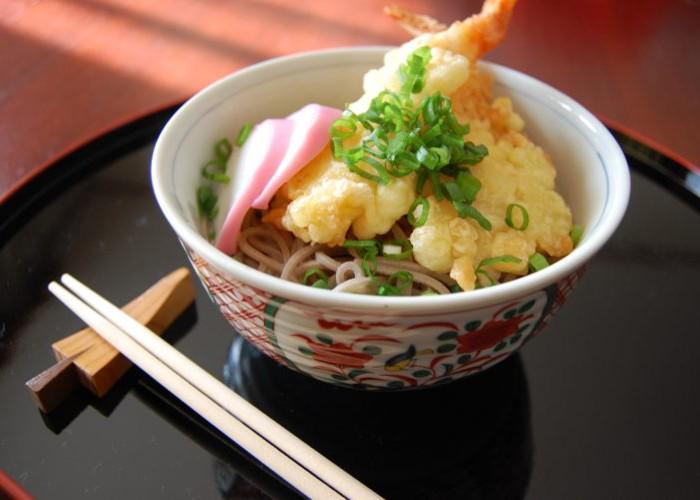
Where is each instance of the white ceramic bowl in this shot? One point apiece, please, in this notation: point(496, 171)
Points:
point(384, 342)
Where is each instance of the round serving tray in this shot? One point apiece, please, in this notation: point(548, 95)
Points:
point(603, 404)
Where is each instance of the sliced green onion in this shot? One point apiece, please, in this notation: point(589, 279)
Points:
point(385, 289)
point(455, 142)
point(456, 289)
point(222, 150)
point(321, 278)
point(443, 155)
point(397, 144)
point(438, 191)
point(401, 137)
point(353, 156)
point(214, 171)
point(244, 133)
point(312, 272)
point(460, 129)
point(363, 173)
point(378, 167)
point(369, 260)
point(469, 185)
point(403, 279)
point(424, 211)
point(524, 217)
point(474, 153)
point(337, 148)
point(429, 291)
point(434, 133)
point(420, 182)
point(464, 210)
point(490, 280)
point(412, 72)
point(498, 260)
point(404, 164)
point(537, 262)
point(453, 191)
point(369, 265)
point(343, 128)
point(480, 271)
point(576, 234)
point(428, 157)
point(368, 250)
point(389, 249)
point(207, 203)
point(397, 249)
point(360, 243)
point(377, 153)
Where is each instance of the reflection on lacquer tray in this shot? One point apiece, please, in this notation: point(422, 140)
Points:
point(471, 438)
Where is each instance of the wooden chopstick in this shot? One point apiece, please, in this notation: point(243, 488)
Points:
point(253, 430)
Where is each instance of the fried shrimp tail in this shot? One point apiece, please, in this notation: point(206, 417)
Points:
point(415, 24)
point(472, 37)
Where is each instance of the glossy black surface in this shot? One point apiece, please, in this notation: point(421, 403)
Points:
point(604, 404)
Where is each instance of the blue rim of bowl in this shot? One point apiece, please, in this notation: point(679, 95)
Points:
point(615, 171)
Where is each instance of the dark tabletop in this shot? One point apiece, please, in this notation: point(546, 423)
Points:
point(604, 404)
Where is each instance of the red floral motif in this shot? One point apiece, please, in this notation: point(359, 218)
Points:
point(490, 334)
point(336, 353)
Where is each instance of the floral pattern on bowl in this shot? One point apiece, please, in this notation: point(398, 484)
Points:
point(380, 351)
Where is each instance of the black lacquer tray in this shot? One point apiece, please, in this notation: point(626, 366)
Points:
point(604, 404)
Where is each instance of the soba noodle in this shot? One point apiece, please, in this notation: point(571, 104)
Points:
point(268, 249)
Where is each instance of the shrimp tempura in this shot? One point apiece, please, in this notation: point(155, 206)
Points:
point(472, 37)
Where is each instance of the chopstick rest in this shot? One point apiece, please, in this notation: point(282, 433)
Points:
point(85, 358)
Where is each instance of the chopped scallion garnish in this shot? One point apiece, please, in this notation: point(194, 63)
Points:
point(389, 249)
point(343, 128)
point(537, 262)
point(207, 203)
point(397, 249)
point(403, 279)
point(474, 153)
point(243, 135)
point(420, 182)
point(385, 289)
point(424, 211)
point(498, 260)
point(320, 278)
point(360, 243)
point(524, 217)
point(465, 210)
point(222, 151)
point(214, 171)
point(401, 138)
point(480, 271)
point(438, 189)
point(469, 185)
point(368, 250)
point(453, 191)
point(576, 234)
point(412, 72)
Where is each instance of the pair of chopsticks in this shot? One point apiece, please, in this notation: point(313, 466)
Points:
point(290, 458)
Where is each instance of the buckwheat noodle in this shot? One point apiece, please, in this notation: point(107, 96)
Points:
point(271, 250)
